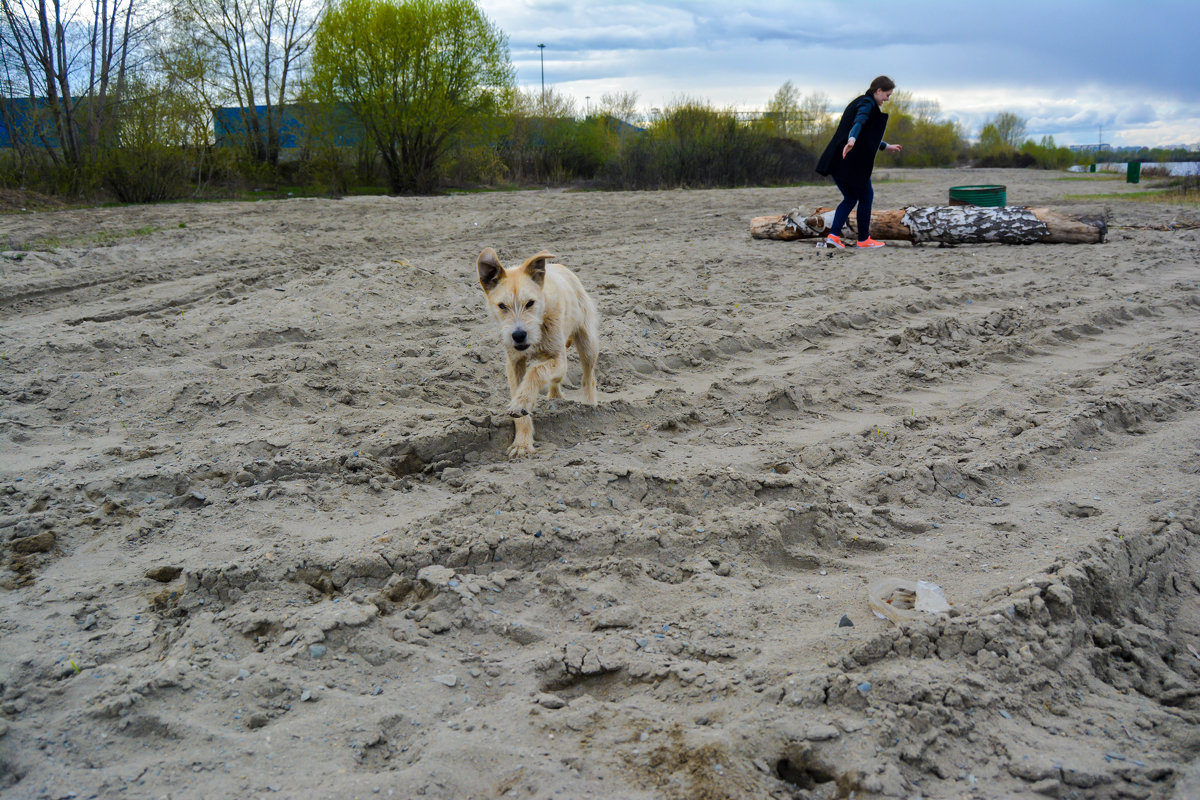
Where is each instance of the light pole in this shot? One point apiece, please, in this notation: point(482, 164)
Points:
point(542, 59)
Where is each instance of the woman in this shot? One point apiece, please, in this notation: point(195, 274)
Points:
point(850, 157)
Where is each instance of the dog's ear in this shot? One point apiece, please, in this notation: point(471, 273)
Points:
point(490, 270)
point(535, 267)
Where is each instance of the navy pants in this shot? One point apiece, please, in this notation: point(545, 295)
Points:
point(853, 192)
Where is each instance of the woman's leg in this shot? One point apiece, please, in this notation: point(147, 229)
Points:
point(866, 197)
point(842, 212)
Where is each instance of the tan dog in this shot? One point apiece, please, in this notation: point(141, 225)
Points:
point(542, 310)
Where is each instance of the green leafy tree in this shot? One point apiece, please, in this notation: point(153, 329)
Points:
point(990, 141)
point(783, 111)
point(415, 74)
point(999, 139)
point(1047, 155)
point(158, 152)
point(928, 141)
point(1010, 128)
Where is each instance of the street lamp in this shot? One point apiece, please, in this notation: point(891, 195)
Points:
point(542, 58)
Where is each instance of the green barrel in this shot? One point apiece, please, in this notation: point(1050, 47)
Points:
point(989, 196)
point(1091, 167)
point(1133, 172)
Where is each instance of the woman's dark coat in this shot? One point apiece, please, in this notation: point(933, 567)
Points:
point(856, 167)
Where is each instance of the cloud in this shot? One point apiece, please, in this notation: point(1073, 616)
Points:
point(1064, 64)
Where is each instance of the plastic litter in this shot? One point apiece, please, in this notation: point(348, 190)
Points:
point(905, 600)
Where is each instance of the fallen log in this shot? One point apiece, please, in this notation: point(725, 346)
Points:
point(942, 224)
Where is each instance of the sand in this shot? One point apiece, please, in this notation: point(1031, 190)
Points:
point(260, 539)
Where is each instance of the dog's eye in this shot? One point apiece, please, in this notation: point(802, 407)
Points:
point(503, 307)
point(529, 305)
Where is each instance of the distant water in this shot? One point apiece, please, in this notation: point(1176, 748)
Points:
point(1172, 167)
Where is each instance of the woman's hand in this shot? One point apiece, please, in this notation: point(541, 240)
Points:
point(894, 148)
point(849, 146)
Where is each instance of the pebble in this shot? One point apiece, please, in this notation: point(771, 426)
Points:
point(821, 733)
point(446, 680)
point(38, 543)
point(305, 696)
point(551, 701)
point(164, 574)
point(435, 575)
point(846, 622)
point(316, 650)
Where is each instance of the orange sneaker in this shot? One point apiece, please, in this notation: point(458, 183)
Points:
point(869, 242)
point(835, 241)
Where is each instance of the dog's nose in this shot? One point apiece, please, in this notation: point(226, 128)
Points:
point(518, 336)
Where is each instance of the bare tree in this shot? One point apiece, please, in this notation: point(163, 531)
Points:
point(72, 60)
point(799, 116)
point(1009, 128)
point(620, 105)
point(783, 110)
point(254, 49)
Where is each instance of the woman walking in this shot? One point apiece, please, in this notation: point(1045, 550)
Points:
point(850, 158)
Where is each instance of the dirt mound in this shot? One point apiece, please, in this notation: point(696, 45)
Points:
point(25, 200)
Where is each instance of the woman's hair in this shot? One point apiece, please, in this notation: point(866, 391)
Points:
point(882, 82)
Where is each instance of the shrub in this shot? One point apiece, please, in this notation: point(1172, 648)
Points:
point(146, 173)
point(693, 145)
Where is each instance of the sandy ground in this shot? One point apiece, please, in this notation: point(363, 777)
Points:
point(260, 538)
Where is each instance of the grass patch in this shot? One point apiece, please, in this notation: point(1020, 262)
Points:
point(106, 237)
point(491, 189)
point(1173, 195)
point(283, 192)
point(1092, 176)
point(51, 244)
point(42, 244)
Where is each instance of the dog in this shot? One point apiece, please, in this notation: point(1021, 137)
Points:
point(542, 310)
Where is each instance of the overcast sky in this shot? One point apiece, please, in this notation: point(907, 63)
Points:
point(1070, 68)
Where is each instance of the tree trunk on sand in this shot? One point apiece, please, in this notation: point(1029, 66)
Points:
point(942, 224)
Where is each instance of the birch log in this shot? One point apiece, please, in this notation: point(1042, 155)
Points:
point(942, 224)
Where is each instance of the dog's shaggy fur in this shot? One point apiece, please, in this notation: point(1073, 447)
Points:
point(542, 309)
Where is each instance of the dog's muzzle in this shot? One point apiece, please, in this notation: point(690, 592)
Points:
point(518, 338)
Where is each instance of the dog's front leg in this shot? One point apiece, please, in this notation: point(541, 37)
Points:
point(518, 376)
point(515, 370)
point(538, 375)
point(523, 440)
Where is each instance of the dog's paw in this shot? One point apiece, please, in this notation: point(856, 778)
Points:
point(517, 410)
point(520, 449)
